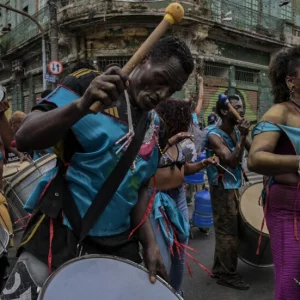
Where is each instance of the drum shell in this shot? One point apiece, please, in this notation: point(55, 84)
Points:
point(248, 245)
point(249, 234)
point(19, 187)
point(111, 277)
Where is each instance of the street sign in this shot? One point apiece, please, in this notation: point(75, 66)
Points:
point(50, 78)
point(55, 67)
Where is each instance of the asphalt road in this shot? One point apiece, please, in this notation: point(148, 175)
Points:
point(201, 286)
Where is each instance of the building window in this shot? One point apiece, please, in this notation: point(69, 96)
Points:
point(103, 62)
point(25, 9)
point(252, 7)
point(216, 70)
point(246, 76)
point(286, 11)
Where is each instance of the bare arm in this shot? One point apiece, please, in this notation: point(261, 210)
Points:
point(200, 97)
point(146, 236)
point(261, 157)
point(230, 159)
point(192, 168)
point(247, 144)
point(41, 130)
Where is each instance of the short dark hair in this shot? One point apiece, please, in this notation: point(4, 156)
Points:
point(221, 105)
point(83, 65)
point(45, 93)
point(172, 46)
point(284, 64)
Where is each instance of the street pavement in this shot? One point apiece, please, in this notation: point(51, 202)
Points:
point(200, 286)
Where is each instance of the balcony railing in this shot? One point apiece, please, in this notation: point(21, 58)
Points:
point(247, 19)
point(24, 31)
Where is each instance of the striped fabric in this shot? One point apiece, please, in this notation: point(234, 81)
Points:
point(280, 216)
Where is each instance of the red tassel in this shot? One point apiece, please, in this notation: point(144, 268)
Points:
point(51, 235)
point(263, 221)
point(188, 267)
point(148, 210)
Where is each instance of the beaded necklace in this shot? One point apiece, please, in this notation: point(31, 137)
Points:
point(161, 151)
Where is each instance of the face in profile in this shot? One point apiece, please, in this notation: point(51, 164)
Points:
point(238, 106)
point(156, 81)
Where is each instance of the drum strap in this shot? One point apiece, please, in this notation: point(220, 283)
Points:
point(107, 190)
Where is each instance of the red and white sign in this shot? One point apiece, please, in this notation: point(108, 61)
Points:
point(55, 67)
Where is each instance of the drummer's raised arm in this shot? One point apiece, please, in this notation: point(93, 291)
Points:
point(5, 128)
point(41, 130)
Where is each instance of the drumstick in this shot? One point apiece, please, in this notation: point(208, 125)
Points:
point(223, 98)
point(173, 14)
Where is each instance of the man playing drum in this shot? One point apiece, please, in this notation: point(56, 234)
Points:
point(86, 145)
point(227, 141)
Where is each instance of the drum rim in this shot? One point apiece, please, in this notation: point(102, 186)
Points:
point(19, 176)
point(254, 265)
point(124, 260)
point(16, 163)
point(242, 216)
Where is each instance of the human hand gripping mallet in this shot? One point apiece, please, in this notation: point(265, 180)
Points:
point(173, 14)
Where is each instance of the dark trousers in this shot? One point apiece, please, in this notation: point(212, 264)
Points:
point(225, 212)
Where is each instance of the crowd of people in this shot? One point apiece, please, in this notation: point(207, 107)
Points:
point(113, 191)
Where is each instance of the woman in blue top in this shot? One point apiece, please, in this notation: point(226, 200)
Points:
point(275, 152)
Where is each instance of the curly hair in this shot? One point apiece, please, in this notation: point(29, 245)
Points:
point(176, 114)
point(171, 46)
point(284, 64)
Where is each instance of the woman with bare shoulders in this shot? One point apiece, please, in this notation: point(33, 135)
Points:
point(275, 152)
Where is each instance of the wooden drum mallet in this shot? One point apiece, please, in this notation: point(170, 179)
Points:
point(224, 99)
point(173, 14)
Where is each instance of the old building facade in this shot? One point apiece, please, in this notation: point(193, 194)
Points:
point(232, 42)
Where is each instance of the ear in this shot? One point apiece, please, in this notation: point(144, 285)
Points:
point(289, 82)
point(224, 112)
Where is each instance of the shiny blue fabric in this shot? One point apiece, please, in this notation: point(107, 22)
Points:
point(165, 203)
point(195, 118)
point(88, 171)
point(229, 182)
point(292, 133)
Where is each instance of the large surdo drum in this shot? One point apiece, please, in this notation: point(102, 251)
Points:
point(19, 186)
point(104, 277)
point(251, 216)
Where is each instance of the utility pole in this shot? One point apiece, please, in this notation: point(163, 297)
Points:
point(53, 31)
point(44, 63)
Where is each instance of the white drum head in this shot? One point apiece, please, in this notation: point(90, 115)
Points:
point(250, 209)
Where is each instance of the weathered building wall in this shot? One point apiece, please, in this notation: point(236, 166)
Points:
point(111, 31)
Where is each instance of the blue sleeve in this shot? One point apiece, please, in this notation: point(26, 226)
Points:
point(264, 127)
